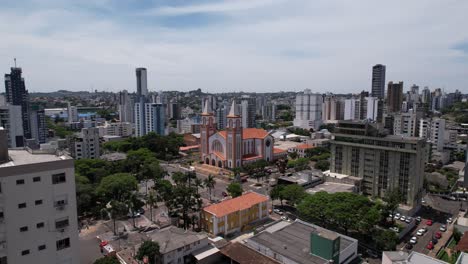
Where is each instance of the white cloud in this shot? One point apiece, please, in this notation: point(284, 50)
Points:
point(257, 49)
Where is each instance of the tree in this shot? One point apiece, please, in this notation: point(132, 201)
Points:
point(281, 164)
point(314, 208)
point(210, 183)
point(134, 204)
point(85, 196)
point(234, 189)
point(107, 260)
point(148, 249)
point(456, 234)
point(151, 202)
point(385, 240)
point(276, 193)
point(116, 210)
point(293, 193)
point(322, 165)
point(392, 198)
point(293, 155)
point(117, 187)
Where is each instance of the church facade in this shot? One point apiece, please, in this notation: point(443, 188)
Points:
point(235, 146)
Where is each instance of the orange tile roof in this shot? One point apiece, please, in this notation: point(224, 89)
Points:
point(248, 133)
point(277, 151)
point(253, 133)
point(242, 202)
point(304, 146)
point(189, 147)
point(251, 157)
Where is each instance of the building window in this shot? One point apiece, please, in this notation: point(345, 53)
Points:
point(23, 229)
point(38, 202)
point(22, 205)
point(19, 182)
point(62, 223)
point(63, 243)
point(25, 252)
point(58, 178)
point(37, 179)
point(40, 225)
point(41, 247)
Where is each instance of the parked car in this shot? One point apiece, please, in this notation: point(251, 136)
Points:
point(413, 240)
point(418, 219)
point(429, 222)
point(443, 228)
point(434, 241)
point(284, 218)
point(423, 201)
point(420, 232)
point(390, 216)
point(453, 198)
point(409, 246)
point(402, 218)
point(430, 246)
point(134, 215)
point(449, 221)
point(438, 235)
point(408, 219)
point(141, 211)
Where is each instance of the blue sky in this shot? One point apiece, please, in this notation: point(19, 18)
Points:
point(237, 45)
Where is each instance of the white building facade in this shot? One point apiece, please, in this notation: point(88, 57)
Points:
point(38, 216)
point(86, 145)
point(308, 110)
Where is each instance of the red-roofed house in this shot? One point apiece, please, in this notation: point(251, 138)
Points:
point(234, 214)
point(235, 146)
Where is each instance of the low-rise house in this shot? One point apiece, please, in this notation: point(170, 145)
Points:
point(300, 242)
point(234, 215)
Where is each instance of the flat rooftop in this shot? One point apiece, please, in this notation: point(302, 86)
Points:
point(20, 157)
point(293, 241)
point(285, 145)
point(172, 238)
point(331, 187)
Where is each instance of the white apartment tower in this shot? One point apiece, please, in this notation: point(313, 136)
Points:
point(38, 216)
point(308, 110)
point(372, 108)
point(352, 109)
point(72, 112)
point(86, 144)
point(125, 107)
point(405, 124)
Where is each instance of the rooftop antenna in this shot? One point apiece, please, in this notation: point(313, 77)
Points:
point(15, 62)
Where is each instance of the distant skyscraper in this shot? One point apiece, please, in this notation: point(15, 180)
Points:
point(9, 116)
point(378, 81)
point(308, 110)
point(426, 96)
point(72, 112)
point(125, 107)
point(150, 117)
point(142, 83)
point(394, 97)
point(372, 112)
point(38, 124)
point(333, 108)
point(248, 112)
point(351, 109)
point(16, 94)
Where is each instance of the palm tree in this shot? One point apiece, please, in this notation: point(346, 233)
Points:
point(151, 202)
point(197, 183)
point(210, 183)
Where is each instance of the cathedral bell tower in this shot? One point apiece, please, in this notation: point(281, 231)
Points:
point(234, 138)
point(207, 129)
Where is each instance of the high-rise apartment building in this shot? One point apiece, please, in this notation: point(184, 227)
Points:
point(9, 120)
point(72, 113)
point(38, 124)
point(394, 97)
point(221, 115)
point(248, 112)
point(333, 108)
point(269, 111)
point(38, 216)
point(352, 109)
point(150, 117)
point(120, 129)
point(16, 94)
point(86, 144)
point(433, 130)
point(142, 83)
point(382, 162)
point(308, 110)
point(426, 96)
point(378, 81)
point(372, 108)
point(406, 124)
point(125, 107)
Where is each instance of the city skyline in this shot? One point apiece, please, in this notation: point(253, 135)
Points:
point(257, 46)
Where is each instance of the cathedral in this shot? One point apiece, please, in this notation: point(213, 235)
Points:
point(235, 146)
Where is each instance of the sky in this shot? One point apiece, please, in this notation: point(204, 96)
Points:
point(234, 46)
